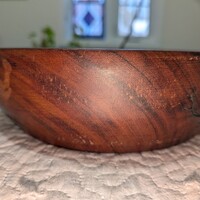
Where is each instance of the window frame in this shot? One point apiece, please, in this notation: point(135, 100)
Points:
point(111, 38)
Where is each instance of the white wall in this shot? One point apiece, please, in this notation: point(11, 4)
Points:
point(19, 18)
point(175, 23)
point(181, 28)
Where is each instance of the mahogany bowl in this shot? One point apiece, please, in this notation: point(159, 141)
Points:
point(102, 100)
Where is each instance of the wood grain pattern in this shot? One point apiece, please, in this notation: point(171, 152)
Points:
point(103, 101)
point(6, 69)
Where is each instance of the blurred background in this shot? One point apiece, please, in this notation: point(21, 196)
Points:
point(131, 24)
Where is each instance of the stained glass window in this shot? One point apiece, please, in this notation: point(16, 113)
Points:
point(134, 16)
point(88, 18)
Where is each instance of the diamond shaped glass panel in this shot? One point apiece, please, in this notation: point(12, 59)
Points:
point(88, 18)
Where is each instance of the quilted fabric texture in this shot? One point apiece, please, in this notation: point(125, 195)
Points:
point(30, 169)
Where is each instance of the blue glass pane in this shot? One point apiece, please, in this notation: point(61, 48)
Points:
point(88, 18)
point(130, 9)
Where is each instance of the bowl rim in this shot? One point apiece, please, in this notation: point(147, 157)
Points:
point(99, 49)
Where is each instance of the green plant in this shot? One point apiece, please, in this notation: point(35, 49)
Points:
point(75, 42)
point(47, 39)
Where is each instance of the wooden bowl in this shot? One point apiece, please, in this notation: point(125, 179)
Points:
point(102, 100)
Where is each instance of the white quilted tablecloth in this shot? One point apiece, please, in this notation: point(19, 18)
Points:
point(30, 170)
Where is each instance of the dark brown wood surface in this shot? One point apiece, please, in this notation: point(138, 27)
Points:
point(102, 101)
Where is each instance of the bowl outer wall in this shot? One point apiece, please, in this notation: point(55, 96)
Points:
point(102, 100)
